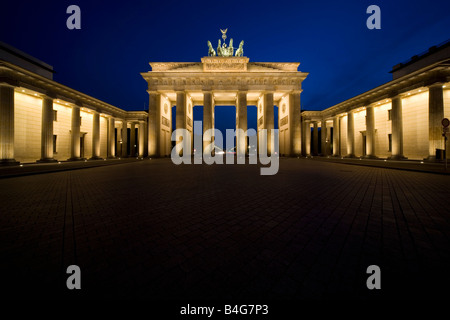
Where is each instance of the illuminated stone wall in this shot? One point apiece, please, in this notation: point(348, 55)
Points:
point(360, 125)
point(27, 127)
point(415, 126)
point(383, 128)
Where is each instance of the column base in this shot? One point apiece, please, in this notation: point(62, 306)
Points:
point(397, 158)
point(370, 157)
point(111, 157)
point(76, 159)
point(336, 156)
point(49, 160)
point(349, 156)
point(96, 158)
point(9, 162)
point(433, 159)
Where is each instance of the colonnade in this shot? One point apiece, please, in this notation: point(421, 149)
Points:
point(7, 116)
point(289, 143)
point(435, 112)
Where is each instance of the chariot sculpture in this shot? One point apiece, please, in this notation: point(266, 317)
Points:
point(224, 50)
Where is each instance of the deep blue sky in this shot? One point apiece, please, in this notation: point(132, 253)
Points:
point(328, 38)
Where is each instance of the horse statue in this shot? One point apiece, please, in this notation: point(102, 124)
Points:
point(211, 51)
point(219, 49)
point(240, 50)
point(224, 50)
point(230, 48)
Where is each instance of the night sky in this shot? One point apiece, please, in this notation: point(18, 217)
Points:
point(329, 38)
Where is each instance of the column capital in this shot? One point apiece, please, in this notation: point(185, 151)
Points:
point(436, 84)
point(398, 96)
point(152, 92)
point(296, 91)
point(394, 94)
point(241, 93)
point(8, 82)
point(49, 95)
point(78, 103)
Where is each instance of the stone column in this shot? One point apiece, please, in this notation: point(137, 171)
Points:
point(435, 116)
point(96, 136)
point(323, 138)
point(370, 133)
point(336, 137)
point(118, 134)
point(7, 125)
point(213, 117)
point(47, 130)
point(190, 112)
point(268, 120)
point(307, 134)
point(295, 136)
point(397, 128)
point(241, 123)
point(146, 138)
point(180, 120)
point(75, 134)
point(154, 124)
point(207, 116)
point(315, 138)
point(111, 138)
point(124, 138)
point(350, 135)
point(141, 139)
point(132, 139)
point(328, 141)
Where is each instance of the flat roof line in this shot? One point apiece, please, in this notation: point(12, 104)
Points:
point(25, 56)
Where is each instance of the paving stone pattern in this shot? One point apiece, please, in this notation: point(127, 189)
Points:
point(154, 230)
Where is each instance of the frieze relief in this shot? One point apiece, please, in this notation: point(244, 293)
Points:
point(223, 64)
point(260, 121)
point(232, 81)
point(165, 122)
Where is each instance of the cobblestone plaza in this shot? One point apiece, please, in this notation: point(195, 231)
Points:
point(151, 229)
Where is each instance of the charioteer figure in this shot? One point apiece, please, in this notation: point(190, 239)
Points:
point(224, 50)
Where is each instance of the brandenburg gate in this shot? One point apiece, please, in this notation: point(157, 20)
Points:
point(225, 77)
